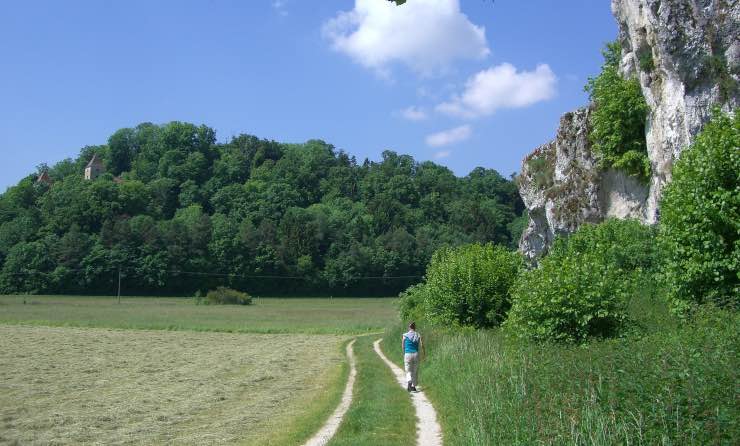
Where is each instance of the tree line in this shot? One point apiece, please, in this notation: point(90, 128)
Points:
point(177, 212)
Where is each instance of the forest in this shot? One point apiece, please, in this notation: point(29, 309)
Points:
point(176, 212)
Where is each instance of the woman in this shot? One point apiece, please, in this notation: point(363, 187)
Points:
point(411, 343)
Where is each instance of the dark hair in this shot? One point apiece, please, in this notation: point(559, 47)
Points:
point(412, 325)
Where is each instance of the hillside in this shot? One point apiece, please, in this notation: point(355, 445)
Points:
point(177, 212)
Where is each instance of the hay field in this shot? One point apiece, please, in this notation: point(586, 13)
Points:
point(62, 385)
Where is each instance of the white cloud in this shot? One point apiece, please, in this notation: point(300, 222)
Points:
point(442, 154)
point(413, 113)
point(425, 35)
point(450, 136)
point(501, 86)
point(279, 7)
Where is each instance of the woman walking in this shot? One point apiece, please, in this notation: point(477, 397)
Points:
point(411, 343)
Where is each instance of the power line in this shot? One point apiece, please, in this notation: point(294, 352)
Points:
point(217, 274)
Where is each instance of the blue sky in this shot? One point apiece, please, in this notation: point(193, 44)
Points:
point(464, 83)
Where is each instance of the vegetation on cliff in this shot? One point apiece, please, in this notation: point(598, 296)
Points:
point(618, 118)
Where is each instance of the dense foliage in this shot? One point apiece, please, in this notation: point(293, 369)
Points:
point(700, 219)
point(177, 212)
point(618, 118)
point(582, 288)
point(465, 286)
point(226, 296)
point(669, 382)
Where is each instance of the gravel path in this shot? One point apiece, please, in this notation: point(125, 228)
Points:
point(328, 430)
point(428, 430)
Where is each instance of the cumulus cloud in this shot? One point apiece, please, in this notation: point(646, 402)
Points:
point(450, 136)
point(501, 86)
point(425, 35)
point(413, 113)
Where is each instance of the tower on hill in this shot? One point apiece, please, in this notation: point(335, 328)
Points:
point(94, 168)
point(44, 178)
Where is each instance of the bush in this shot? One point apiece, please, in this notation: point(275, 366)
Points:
point(465, 286)
point(618, 119)
point(700, 219)
point(227, 296)
point(582, 288)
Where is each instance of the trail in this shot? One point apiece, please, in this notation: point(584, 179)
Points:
point(329, 428)
point(428, 430)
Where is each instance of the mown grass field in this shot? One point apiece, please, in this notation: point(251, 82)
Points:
point(267, 315)
point(82, 370)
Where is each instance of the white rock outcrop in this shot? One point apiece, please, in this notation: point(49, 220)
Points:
point(686, 56)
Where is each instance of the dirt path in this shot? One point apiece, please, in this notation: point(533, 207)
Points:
point(428, 430)
point(328, 430)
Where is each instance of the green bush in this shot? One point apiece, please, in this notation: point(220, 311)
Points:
point(465, 286)
point(227, 296)
point(618, 119)
point(582, 288)
point(700, 219)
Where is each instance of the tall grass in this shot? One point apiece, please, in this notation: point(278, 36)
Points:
point(663, 383)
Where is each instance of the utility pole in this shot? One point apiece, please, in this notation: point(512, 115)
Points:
point(119, 284)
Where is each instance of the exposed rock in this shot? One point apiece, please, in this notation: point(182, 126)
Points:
point(686, 55)
point(563, 187)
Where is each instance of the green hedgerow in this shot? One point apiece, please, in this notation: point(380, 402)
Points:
point(582, 288)
point(618, 119)
point(700, 219)
point(227, 296)
point(465, 286)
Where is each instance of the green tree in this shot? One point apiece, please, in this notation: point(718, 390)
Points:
point(700, 219)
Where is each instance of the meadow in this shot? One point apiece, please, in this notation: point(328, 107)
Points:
point(266, 315)
point(664, 382)
point(81, 370)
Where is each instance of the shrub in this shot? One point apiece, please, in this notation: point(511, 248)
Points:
point(700, 219)
point(465, 286)
point(582, 288)
point(227, 296)
point(542, 171)
point(618, 119)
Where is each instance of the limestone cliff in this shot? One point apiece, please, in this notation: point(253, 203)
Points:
point(686, 56)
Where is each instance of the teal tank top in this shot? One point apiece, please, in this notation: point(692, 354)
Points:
point(411, 342)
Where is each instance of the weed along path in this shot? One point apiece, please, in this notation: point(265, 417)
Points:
point(428, 430)
point(328, 430)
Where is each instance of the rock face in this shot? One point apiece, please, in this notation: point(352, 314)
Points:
point(562, 187)
point(686, 55)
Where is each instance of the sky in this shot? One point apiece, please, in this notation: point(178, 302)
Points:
point(464, 83)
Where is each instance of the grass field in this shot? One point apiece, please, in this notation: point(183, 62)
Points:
point(665, 382)
point(87, 385)
point(267, 315)
point(77, 370)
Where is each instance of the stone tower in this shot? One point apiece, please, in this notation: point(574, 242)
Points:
point(94, 168)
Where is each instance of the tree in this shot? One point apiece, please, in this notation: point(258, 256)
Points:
point(700, 219)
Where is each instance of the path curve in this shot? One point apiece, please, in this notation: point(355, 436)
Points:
point(428, 430)
point(329, 428)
